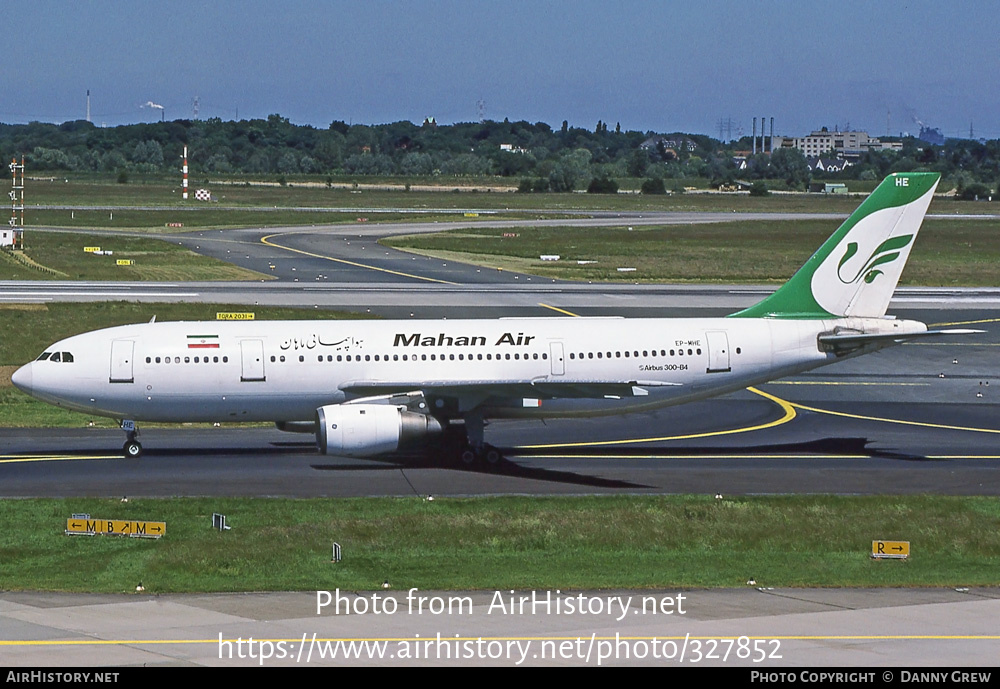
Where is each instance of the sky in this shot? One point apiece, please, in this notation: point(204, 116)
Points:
point(649, 65)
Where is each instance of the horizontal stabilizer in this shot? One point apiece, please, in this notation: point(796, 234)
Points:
point(839, 342)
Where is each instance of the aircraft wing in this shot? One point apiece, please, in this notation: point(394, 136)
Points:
point(845, 342)
point(539, 388)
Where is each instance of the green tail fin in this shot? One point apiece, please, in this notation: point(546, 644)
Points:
point(857, 269)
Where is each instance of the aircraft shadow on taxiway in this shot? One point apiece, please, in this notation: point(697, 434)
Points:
point(507, 467)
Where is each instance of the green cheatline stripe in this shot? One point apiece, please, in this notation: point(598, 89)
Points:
point(203, 337)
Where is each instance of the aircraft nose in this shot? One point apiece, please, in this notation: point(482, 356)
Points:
point(22, 378)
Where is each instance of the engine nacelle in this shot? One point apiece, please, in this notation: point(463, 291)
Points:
point(365, 430)
point(296, 426)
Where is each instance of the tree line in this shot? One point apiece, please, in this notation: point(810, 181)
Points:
point(535, 155)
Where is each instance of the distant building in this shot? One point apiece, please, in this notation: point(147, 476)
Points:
point(675, 142)
point(511, 148)
point(827, 164)
point(10, 238)
point(931, 135)
point(828, 188)
point(826, 144)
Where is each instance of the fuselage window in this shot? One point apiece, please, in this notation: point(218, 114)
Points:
point(738, 350)
point(600, 355)
point(572, 355)
point(301, 358)
point(196, 360)
point(216, 359)
point(699, 351)
point(626, 355)
point(405, 358)
point(423, 357)
point(319, 358)
point(177, 360)
point(281, 358)
point(376, 357)
point(149, 360)
point(433, 357)
point(535, 356)
point(451, 356)
point(507, 357)
point(479, 356)
point(545, 355)
point(395, 357)
point(461, 357)
point(272, 359)
point(225, 359)
point(645, 353)
point(166, 359)
point(187, 360)
point(340, 357)
point(689, 352)
point(590, 355)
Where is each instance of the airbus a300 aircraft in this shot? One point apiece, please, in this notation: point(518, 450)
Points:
point(373, 387)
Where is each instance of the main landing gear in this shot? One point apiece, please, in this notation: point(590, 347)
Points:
point(474, 449)
point(470, 456)
point(132, 447)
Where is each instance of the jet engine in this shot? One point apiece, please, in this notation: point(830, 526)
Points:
point(365, 430)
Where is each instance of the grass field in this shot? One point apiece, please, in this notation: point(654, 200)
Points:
point(161, 191)
point(61, 256)
point(949, 252)
point(503, 543)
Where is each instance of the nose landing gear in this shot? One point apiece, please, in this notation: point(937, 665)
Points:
point(132, 447)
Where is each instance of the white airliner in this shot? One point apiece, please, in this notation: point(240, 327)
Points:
point(373, 387)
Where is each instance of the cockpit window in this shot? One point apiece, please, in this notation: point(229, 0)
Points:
point(67, 357)
point(55, 357)
point(43, 356)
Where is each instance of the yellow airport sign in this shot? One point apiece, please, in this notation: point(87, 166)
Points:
point(116, 527)
point(234, 316)
point(91, 249)
point(891, 550)
point(126, 262)
point(472, 215)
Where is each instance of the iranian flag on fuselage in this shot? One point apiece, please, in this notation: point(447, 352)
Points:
point(203, 341)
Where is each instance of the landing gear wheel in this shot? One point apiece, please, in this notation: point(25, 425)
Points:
point(132, 449)
point(492, 455)
point(467, 456)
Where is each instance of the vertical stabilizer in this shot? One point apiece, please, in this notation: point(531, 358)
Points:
point(857, 269)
